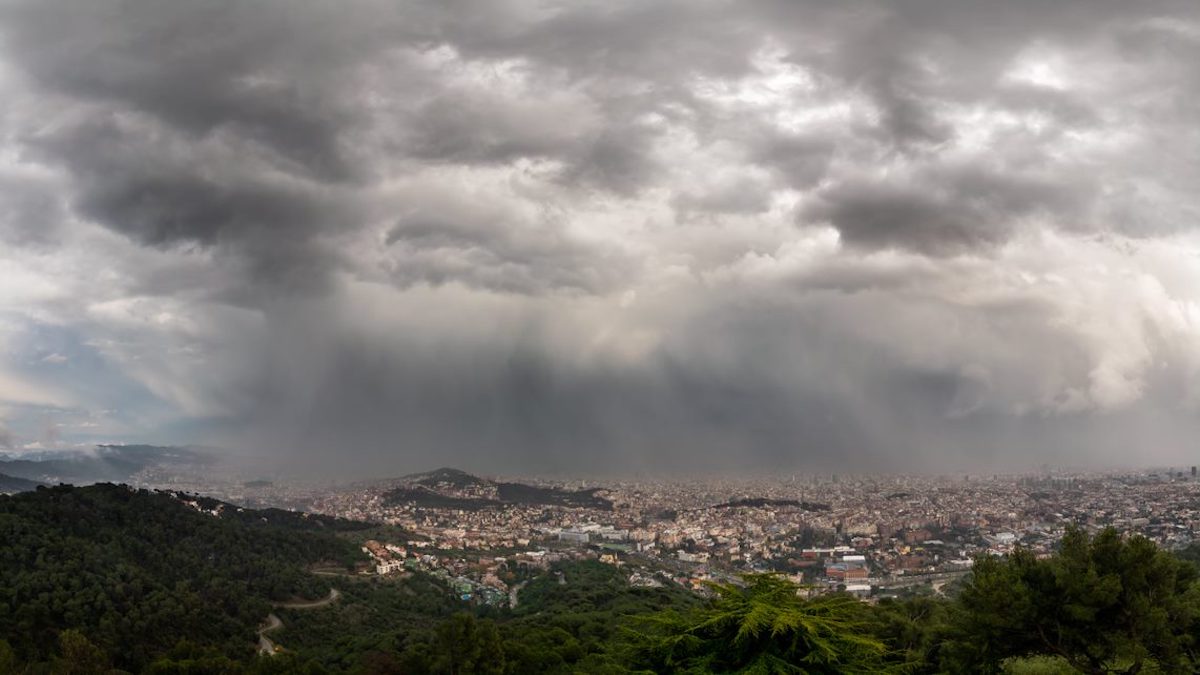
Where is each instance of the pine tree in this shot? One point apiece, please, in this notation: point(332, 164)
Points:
point(763, 626)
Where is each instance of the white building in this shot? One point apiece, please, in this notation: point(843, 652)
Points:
point(388, 566)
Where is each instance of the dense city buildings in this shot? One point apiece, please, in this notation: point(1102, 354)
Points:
point(872, 535)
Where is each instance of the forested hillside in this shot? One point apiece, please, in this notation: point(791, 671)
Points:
point(136, 572)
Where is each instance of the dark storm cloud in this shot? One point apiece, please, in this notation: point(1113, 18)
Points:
point(140, 188)
point(1068, 110)
point(744, 196)
point(622, 43)
point(614, 234)
point(201, 68)
point(447, 239)
point(599, 146)
point(800, 160)
point(461, 129)
point(162, 195)
point(947, 209)
point(30, 212)
point(615, 160)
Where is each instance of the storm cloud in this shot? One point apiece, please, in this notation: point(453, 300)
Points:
point(604, 236)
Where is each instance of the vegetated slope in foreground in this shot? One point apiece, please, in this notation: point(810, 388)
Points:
point(569, 620)
point(136, 571)
point(455, 489)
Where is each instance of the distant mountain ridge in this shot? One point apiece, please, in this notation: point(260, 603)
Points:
point(450, 488)
point(109, 463)
point(13, 484)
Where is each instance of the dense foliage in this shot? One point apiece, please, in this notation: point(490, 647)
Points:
point(138, 571)
point(1103, 605)
point(567, 621)
point(573, 621)
point(373, 616)
point(763, 626)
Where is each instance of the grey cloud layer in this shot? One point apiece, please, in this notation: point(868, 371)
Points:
point(855, 233)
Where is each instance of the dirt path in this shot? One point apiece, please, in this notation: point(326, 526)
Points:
point(513, 592)
point(334, 594)
point(268, 646)
point(265, 645)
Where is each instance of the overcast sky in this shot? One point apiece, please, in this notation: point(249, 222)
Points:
point(604, 236)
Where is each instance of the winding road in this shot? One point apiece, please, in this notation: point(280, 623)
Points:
point(513, 592)
point(273, 623)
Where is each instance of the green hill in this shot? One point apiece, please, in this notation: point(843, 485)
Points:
point(446, 477)
point(439, 489)
point(136, 572)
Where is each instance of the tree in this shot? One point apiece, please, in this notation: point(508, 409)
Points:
point(8, 659)
point(913, 629)
point(79, 656)
point(464, 644)
point(1103, 605)
point(763, 626)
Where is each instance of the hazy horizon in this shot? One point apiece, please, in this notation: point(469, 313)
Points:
point(604, 238)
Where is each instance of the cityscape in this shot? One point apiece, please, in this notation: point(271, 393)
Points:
point(872, 536)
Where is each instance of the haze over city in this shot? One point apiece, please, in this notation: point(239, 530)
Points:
point(364, 238)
